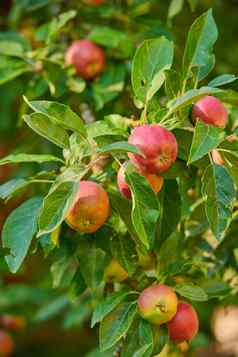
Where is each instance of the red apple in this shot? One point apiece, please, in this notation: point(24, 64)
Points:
point(211, 111)
point(12, 322)
point(157, 144)
point(155, 181)
point(184, 325)
point(216, 157)
point(87, 57)
point(6, 344)
point(158, 304)
point(90, 208)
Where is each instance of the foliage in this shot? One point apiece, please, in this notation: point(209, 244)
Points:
point(77, 130)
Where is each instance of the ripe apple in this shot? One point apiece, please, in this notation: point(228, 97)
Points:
point(157, 144)
point(114, 272)
point(6, 344)
point(210, 110)
point(158, 304)
point(87, 57)
point(184, 325)
point(12, 322)
point(155, 181)
point(90, 208)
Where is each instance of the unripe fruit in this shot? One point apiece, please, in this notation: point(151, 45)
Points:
point(155, 181)
point(12, 322)
point(211, 111)
point(87, 57)
point(90, 208)
point(157, 144)
point(6, 344)
point(158, 304)
point(216, 157)
point(184, 326)
point(114, 273)
point(146, 262)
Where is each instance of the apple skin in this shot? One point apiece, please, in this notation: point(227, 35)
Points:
point(6, 344)
point(90, 208)
point(12, 322)
point(211, 111)
point(185, 324)
point(155, 181)
point(115, 273)
point(158, 304)
point(216, 157)
point(87, 58)
point(157, 144)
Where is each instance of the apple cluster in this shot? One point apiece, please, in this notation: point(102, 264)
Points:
point(159, 304)
point(159, 149)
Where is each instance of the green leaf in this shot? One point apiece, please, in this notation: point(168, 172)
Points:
point(191, 292)
point(76, 85)
point(161, 339)
point(222, 80)
point(18, 158)
point(189, 97)
point(58, 23)
point(43, 126)
point(170, 202)
point(123, 208)
point(151, 60)
point(206, 138)
point(9, 187)
point(169, 252)
point(121, 146)
point(228, 96)
point(175, 7)
point(219, 191)
point(11, 48)
point(109, 85)
point(52, 308)
point(108, 304)
point(144, 351)
point(92, 262)
point(118, 41)
point(78, 314)
point(145, 208)
point(103, 128)
point(56, 205)
point(15, 37)
point(216, 288)
point(199, 46)
point(18, 231)
point(139, 340)
point(115, 325)
point(172, 83)
point(60, 114)
point(11, 68)
point(64, 267)
point(123, 249)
